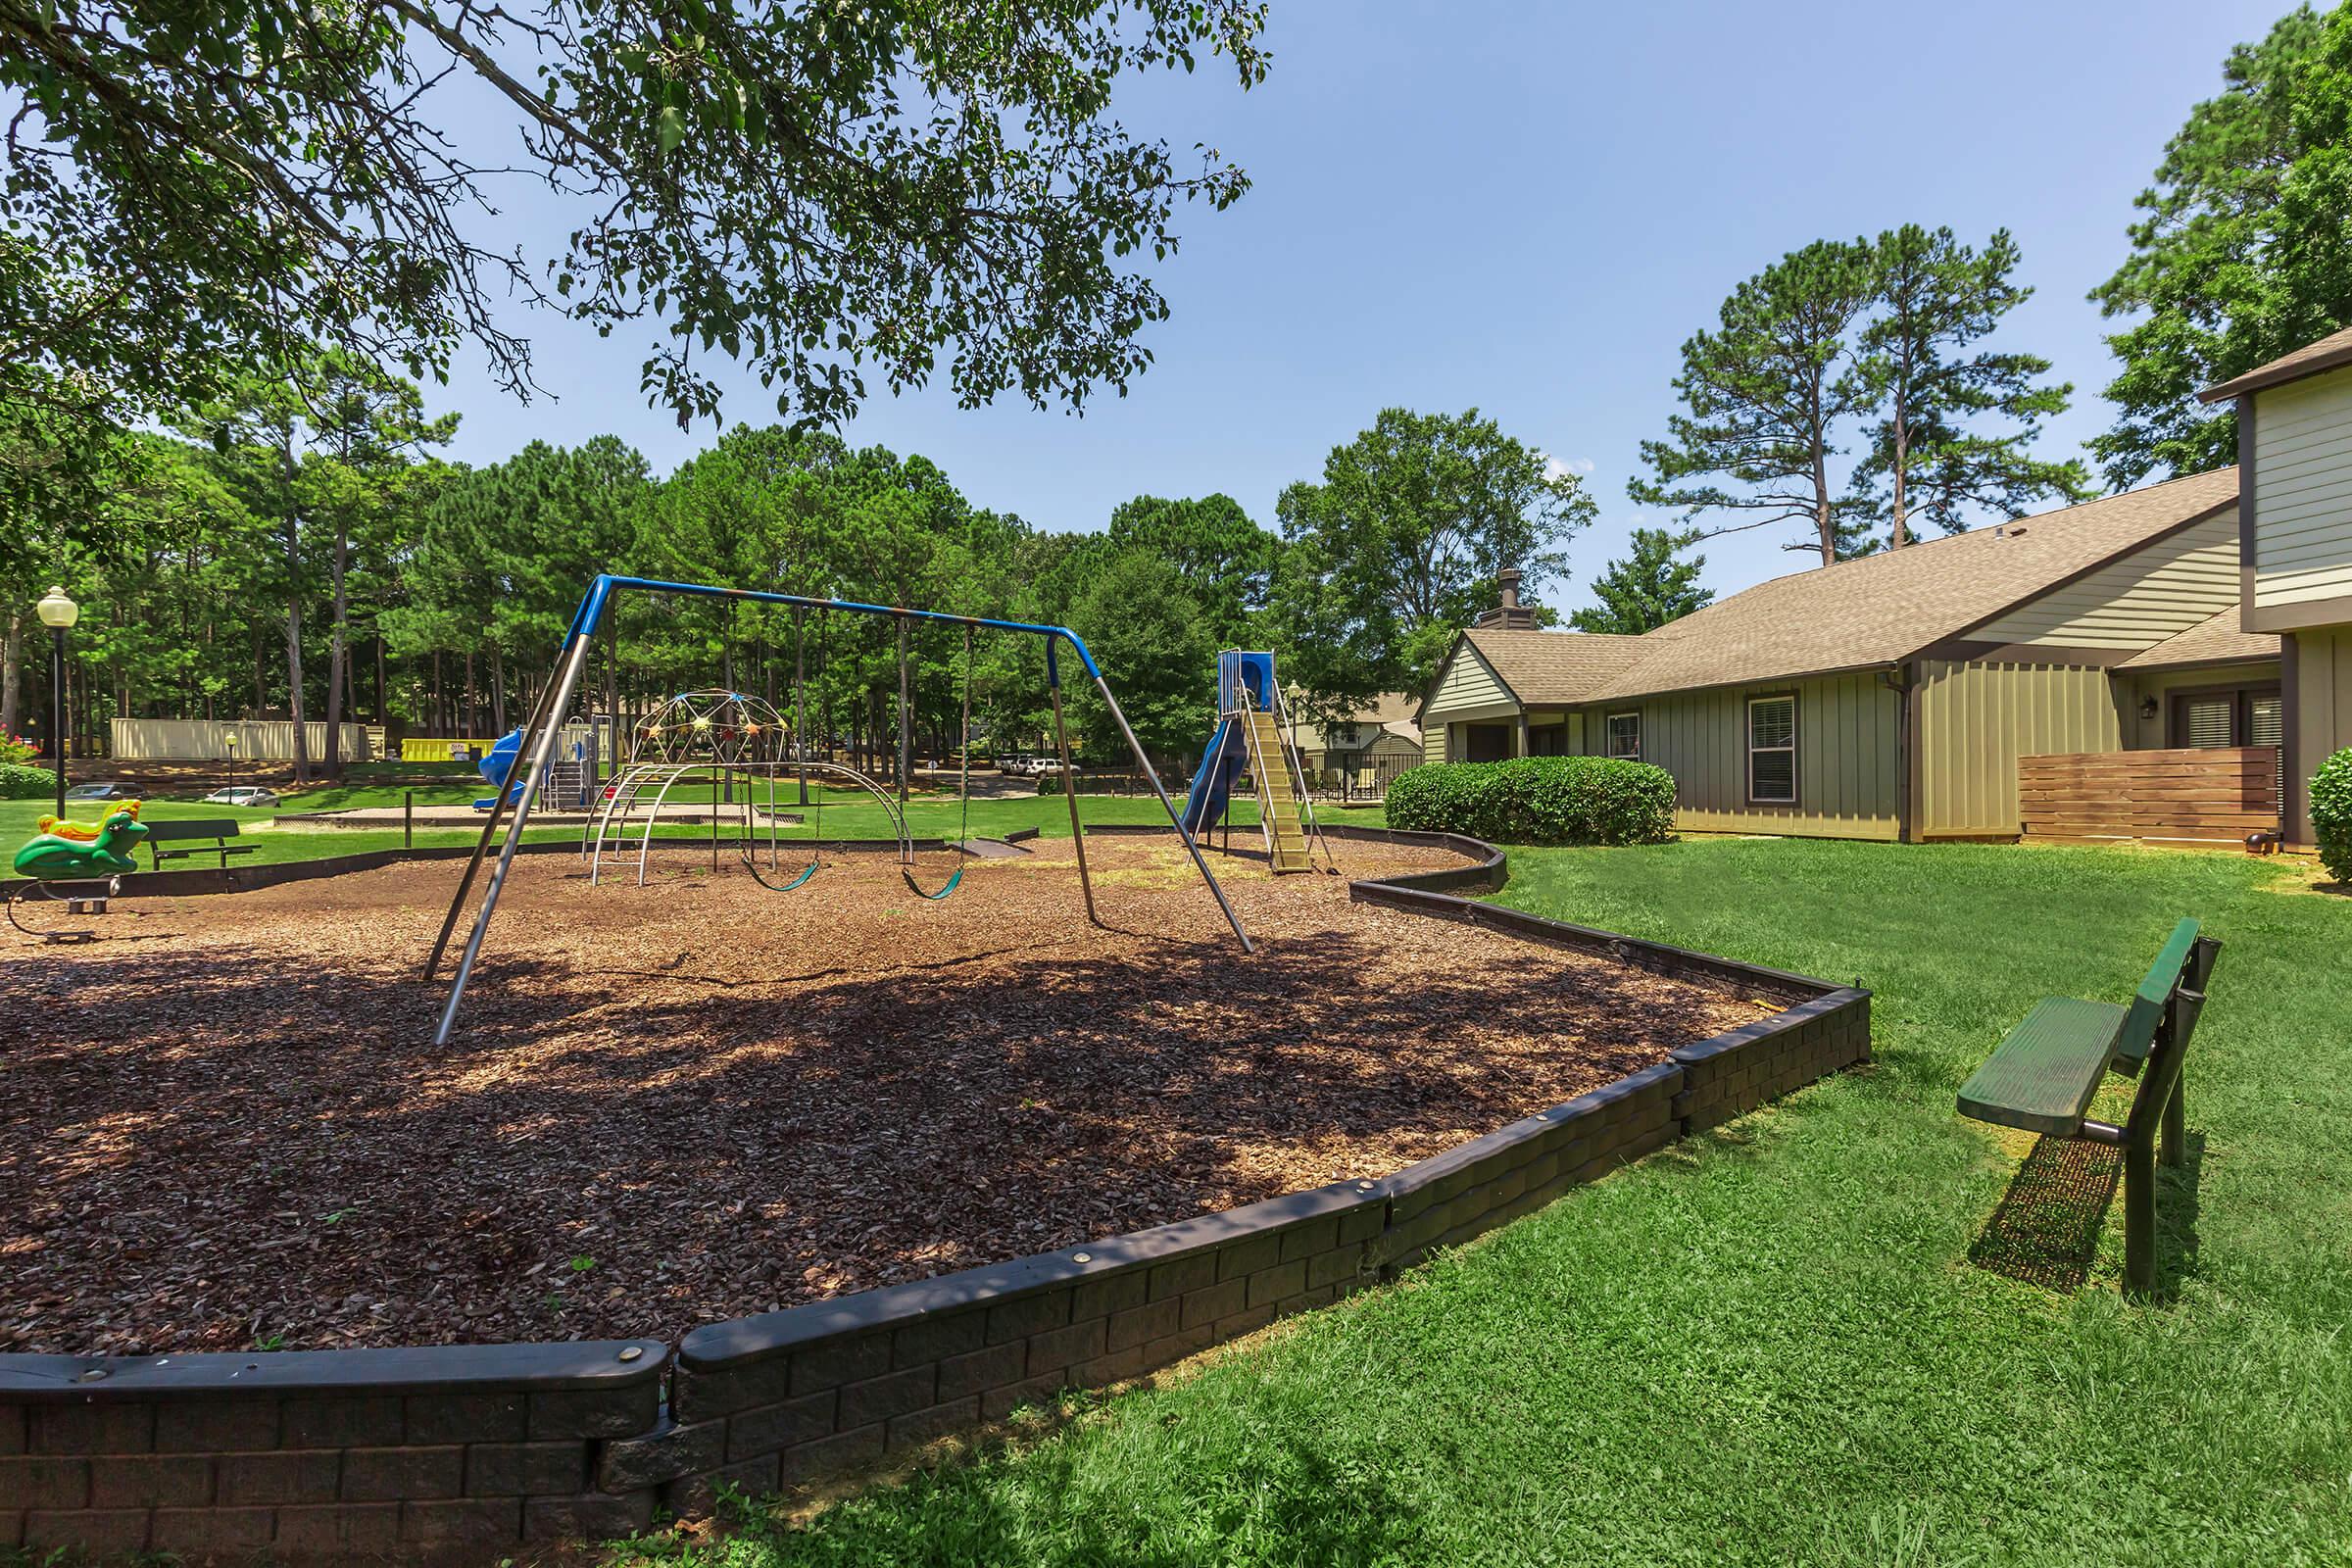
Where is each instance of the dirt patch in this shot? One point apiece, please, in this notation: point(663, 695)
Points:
point(695, 1100)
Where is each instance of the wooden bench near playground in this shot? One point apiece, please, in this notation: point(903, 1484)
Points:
point(2044, 1074)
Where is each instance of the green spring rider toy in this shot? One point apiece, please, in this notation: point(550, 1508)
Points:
point(72, 851)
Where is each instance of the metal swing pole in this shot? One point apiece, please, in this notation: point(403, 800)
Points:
point(498, 810)
point(1151, 776)
point(1069, 784)
point(554, 701)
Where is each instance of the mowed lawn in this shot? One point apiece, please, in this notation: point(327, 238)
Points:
point(1768, 1344)
point(845, 813)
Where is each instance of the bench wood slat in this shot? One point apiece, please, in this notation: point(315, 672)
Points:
point(2138, 1033)
point(2046, 1070)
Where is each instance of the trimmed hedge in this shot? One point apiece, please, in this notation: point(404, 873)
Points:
point(1538, 799)
point(21, 783)
point(2332, 813)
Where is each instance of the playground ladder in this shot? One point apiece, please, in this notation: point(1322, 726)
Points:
point(1277, 800)
point(567, 785)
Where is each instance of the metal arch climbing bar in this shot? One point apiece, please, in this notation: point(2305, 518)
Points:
point(539, 734)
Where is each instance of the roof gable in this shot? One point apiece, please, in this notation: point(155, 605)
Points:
point(2312, 359)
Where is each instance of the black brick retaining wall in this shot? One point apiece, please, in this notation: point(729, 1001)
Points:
point(461, 1451)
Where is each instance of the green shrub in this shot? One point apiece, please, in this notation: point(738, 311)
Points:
point(1538, 799)
point(2332, 813)
point(21, 783)
point(17, 748)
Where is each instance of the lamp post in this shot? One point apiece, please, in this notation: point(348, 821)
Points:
point(232, 759)
point(58, 614)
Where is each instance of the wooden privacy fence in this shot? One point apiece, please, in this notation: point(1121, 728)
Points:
point(2214, 794)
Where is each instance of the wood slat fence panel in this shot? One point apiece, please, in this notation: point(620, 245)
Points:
point(2216, 795)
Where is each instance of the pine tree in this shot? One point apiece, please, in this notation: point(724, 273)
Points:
point(1930, 390)
point(1762, 398)
point(1651, 586)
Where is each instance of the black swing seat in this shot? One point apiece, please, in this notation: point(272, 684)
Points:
point(2046, 1071)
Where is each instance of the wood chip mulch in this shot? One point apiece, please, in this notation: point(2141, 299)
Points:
point(699, 1098)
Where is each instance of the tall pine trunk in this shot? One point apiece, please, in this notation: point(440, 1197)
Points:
point(337, 657)
point(11, 674)
point(302, 743)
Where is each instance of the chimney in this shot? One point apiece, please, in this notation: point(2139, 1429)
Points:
point(1510, 615)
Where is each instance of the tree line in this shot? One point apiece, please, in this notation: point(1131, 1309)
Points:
point(299, 548)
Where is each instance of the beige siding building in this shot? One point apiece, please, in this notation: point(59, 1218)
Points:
point(2294, 444)
point(1893, 696)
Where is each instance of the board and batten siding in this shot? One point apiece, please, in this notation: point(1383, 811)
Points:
point(1975, 721)
point(2302, 497)
point(2156, 592)
point(2319, 717)
point(1846, 748)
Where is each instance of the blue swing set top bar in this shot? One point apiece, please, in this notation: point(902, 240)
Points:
point(591, 613)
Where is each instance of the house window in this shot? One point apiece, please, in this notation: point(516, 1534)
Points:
point(1625, 736)
point(2266, 721)
point(2246, 716)
point(1772, 749)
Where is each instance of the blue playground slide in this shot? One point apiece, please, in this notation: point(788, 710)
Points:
point(1212, 785)
point(497, 764)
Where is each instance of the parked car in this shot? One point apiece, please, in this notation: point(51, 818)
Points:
point(252, 795)
point(98, 792)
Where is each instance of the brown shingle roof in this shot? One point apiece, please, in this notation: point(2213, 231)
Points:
point(2312, 359)
point(1552, 669)
point(1881, 609)
point(2215, 641)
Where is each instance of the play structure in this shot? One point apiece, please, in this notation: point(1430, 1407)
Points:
point(570, 781)
point(76, 864)
point(1254, 736)
point(731, 746)
point(722, 749)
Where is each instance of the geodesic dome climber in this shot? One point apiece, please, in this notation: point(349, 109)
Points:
point(728, 728)
point(731, 742)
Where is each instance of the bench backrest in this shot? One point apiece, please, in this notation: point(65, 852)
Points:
point(224, 827)
point(2137, 1035)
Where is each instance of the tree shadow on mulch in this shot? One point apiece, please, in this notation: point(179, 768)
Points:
point(206, 1148)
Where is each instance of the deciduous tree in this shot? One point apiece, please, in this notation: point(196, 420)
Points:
point(1396, 548)
point(822, 191)
point(2244, 252)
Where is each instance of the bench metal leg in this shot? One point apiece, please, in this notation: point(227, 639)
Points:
point(2175, 1126)
point(2139, 1217)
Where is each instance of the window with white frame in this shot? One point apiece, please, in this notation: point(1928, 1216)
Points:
point(1772, 749)
point(1625, 736)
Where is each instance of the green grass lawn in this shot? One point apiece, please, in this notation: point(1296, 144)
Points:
point(1767, 1345)
point(841, 814)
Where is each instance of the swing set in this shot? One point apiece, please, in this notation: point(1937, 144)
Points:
point(725, 735)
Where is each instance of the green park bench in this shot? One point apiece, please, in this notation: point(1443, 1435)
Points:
point(219, 830)
point(2043, 1076)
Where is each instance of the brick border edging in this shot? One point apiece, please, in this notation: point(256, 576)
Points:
point(320, 1455)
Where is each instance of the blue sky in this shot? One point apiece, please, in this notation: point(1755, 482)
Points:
point(1527, 208)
